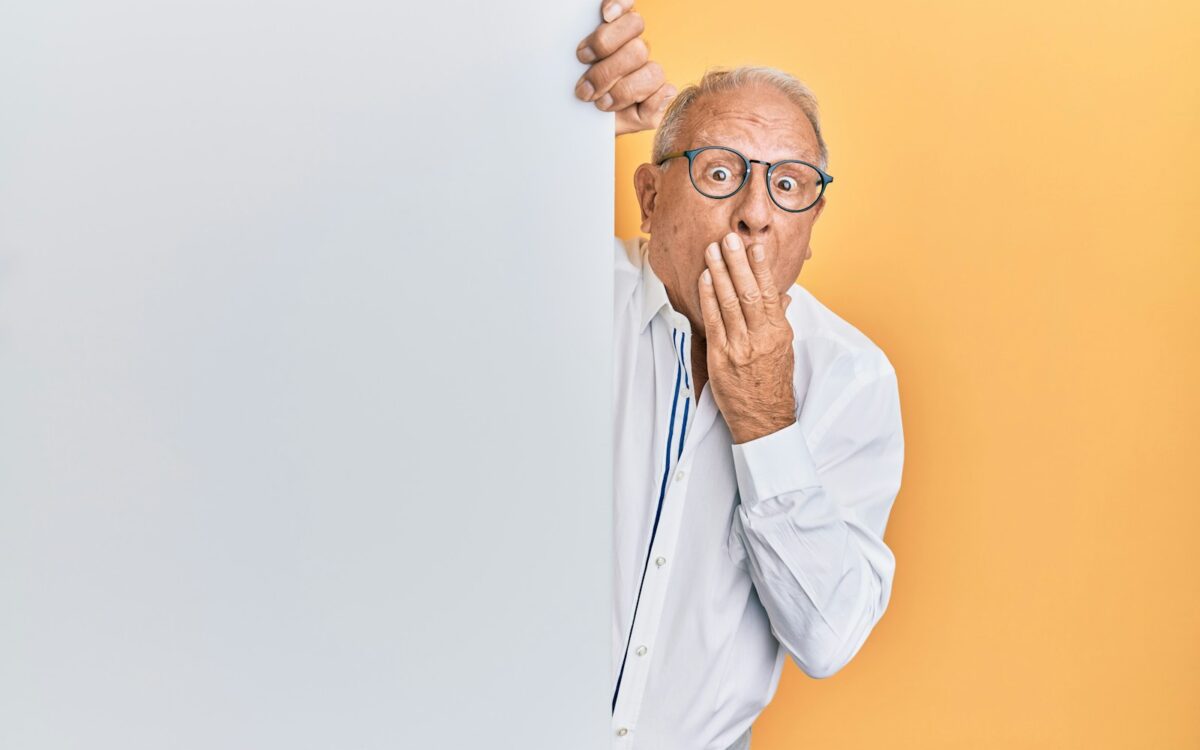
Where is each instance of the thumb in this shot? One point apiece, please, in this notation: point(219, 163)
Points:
point(787, 300)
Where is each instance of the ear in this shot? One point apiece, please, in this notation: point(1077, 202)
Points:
point(818, 208)
point(645, 183)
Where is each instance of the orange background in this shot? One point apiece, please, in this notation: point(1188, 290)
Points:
point(1015, 223)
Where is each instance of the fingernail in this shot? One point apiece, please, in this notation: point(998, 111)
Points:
point(585, 89)
point(612, 12)
point(605, 101)
point(586, 54)
point(735, 242)
point(758, 252)
point(714, 252)
point(707, 276)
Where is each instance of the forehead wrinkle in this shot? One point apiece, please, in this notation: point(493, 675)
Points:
point(753, 127)
point(789, 150)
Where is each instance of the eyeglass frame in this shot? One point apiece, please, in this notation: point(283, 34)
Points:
point(690, 153)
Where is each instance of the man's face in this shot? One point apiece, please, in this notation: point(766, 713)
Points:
point(761, 123)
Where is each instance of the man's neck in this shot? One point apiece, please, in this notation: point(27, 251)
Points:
point(699, 365)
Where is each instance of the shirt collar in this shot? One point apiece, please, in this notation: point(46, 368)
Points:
point(654, 295)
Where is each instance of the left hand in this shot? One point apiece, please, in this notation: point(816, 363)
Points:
point(750, 355)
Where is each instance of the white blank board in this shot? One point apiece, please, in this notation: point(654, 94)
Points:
point(305, 378)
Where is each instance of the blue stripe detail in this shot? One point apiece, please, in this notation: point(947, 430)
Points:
point(662, 491)
point(686, 381)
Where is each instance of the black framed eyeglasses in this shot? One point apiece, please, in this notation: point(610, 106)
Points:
point(719, 172)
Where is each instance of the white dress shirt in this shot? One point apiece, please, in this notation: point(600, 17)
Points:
point(729, 557)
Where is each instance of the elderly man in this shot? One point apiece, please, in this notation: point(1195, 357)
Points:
point(749, 514)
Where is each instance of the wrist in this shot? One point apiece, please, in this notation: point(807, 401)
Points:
point(744, 432)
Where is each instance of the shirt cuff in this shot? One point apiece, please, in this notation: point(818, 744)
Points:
point(773, 465)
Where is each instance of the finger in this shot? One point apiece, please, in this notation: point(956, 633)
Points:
point(787, 300)
point(710, 310)
point(636, 86)
point(766, 284)
point(648, 114)
point(613, 9)
point(746, 286)
point(602, 75)
point(610, 37)
point(727, 297)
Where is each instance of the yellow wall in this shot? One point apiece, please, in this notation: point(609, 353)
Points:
point(1015, 223)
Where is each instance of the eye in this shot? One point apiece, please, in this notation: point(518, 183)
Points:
point(786, 183)
point(719, 174)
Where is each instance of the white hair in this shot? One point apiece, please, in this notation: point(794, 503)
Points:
point(716, 80)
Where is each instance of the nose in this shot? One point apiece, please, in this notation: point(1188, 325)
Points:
point(753, 208)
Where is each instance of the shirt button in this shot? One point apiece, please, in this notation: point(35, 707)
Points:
point(660, 561)
point(686, 392)
point(641, 650)
point(622, 732)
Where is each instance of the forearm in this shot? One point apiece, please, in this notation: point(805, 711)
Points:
point(823, 581)
point(814, 539)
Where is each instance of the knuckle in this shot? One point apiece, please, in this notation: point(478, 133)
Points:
point(636, 21)
point(603, 41)
point(646, 88)
point(625, 89)
point(640, 50)
point(600, 78)
point(619, 91)
point(751, 296)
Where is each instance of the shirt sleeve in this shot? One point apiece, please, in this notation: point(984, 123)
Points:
point(812, 521)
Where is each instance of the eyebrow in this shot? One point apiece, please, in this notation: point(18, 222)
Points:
point(805, 155)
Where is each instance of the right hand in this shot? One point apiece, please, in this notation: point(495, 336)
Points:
point(621, 75)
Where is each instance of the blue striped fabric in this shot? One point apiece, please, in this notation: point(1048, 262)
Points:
point(679, 338)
